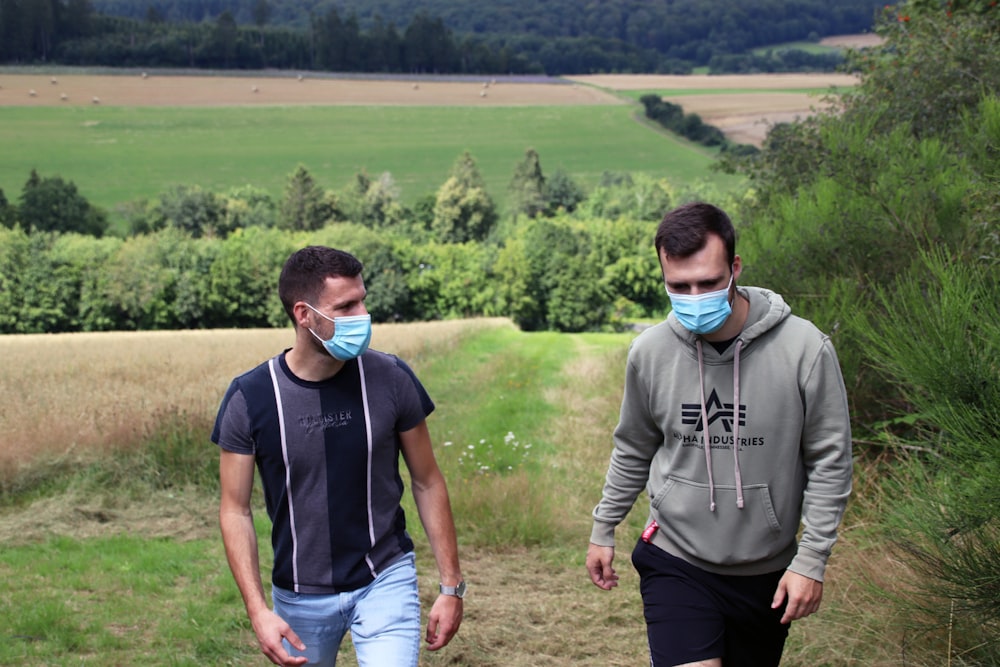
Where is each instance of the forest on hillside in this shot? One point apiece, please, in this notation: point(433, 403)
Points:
point(417, 36)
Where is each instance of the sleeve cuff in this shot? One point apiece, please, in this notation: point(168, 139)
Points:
point(809, 563)
point(602, 534)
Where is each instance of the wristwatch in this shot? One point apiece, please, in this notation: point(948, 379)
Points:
point(457, 591)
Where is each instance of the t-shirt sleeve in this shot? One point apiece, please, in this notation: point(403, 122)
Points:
point(232, 424)
point(415, 402)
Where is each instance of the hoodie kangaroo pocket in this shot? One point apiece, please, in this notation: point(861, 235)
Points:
point(727, 536)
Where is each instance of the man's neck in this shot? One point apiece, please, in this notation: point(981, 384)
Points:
point(310, 364)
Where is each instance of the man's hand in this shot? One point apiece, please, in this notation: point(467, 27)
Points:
point(599, 561)
point(803, 594)
point(443, 621)
point(270, 628)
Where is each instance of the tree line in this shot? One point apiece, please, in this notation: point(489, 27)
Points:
point(560, 258)
point(610, 37)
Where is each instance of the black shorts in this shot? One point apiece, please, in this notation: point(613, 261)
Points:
point(694, 615)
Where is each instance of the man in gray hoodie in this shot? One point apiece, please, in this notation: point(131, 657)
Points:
point(735, 420)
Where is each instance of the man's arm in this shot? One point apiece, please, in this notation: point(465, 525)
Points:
point(826, 444)
point(240, 539)
point(431, 495)
point(636, 439)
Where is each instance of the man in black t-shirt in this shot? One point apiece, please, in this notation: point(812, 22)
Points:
point(324, 423)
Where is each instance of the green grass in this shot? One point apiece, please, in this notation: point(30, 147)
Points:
point(119, 600)
point(119, 154)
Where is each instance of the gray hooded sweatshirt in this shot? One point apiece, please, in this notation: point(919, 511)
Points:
point(778, 392)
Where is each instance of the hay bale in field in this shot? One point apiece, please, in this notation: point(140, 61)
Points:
point(482, 93)
point(255, 89)
point(144, 75)
point(53, 81)
point(95, 100)
point(301, 78)
point(416, 86)
point(32, 93)
point(63, 96)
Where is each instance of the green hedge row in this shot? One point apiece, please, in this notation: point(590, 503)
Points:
point(560, 273)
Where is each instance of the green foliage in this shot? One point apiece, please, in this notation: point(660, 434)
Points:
point(8, 214)
point(51, 204)
point(463, 211)
point(527, 188)
point(248, 206)
point(937, 62)
point(242, 279)
point(947, 514)
point(549, 278)
point(305, 206)
point(192, 210)
point(638, 196)
point(373, 202)
point(450, 280)
point(562, 192)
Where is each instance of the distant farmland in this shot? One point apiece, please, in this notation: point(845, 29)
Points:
point(127, 136)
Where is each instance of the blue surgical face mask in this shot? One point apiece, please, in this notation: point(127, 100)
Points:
point(351, 335)
point(702, 313)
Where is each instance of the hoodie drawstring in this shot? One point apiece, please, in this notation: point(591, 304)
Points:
point(736, 427)
point(736, 424)
point(704, 427)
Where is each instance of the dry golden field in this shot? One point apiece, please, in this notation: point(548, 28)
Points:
point(69, 394)
point(169, 90)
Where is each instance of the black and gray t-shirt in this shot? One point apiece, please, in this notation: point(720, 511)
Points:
point(328, 456)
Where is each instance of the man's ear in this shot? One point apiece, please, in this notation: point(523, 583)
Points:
point(301, 312)
point(737, 268)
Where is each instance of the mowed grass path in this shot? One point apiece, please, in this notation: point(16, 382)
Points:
point(119, 154)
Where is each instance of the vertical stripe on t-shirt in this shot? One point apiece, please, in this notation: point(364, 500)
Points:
point(288, 475)
point(368, 437)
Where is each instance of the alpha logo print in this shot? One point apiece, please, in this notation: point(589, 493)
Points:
point(716, 410)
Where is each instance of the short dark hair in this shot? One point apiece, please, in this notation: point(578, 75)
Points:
point(306, 270)
point(685, 230)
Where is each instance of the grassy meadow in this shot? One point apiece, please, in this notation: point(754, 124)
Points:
point(118, 154)
point(111, 552)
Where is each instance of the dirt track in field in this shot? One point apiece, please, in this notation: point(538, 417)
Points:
point(169, 90)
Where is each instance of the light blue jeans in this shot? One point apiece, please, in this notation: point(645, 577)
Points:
point(383, 617)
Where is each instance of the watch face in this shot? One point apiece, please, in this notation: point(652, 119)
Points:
point(460, 589)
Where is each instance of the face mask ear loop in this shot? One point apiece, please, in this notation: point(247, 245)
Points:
point(704, 427)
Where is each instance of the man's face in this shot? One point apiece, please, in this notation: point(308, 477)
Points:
point(707, 270)
point(341, 297)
